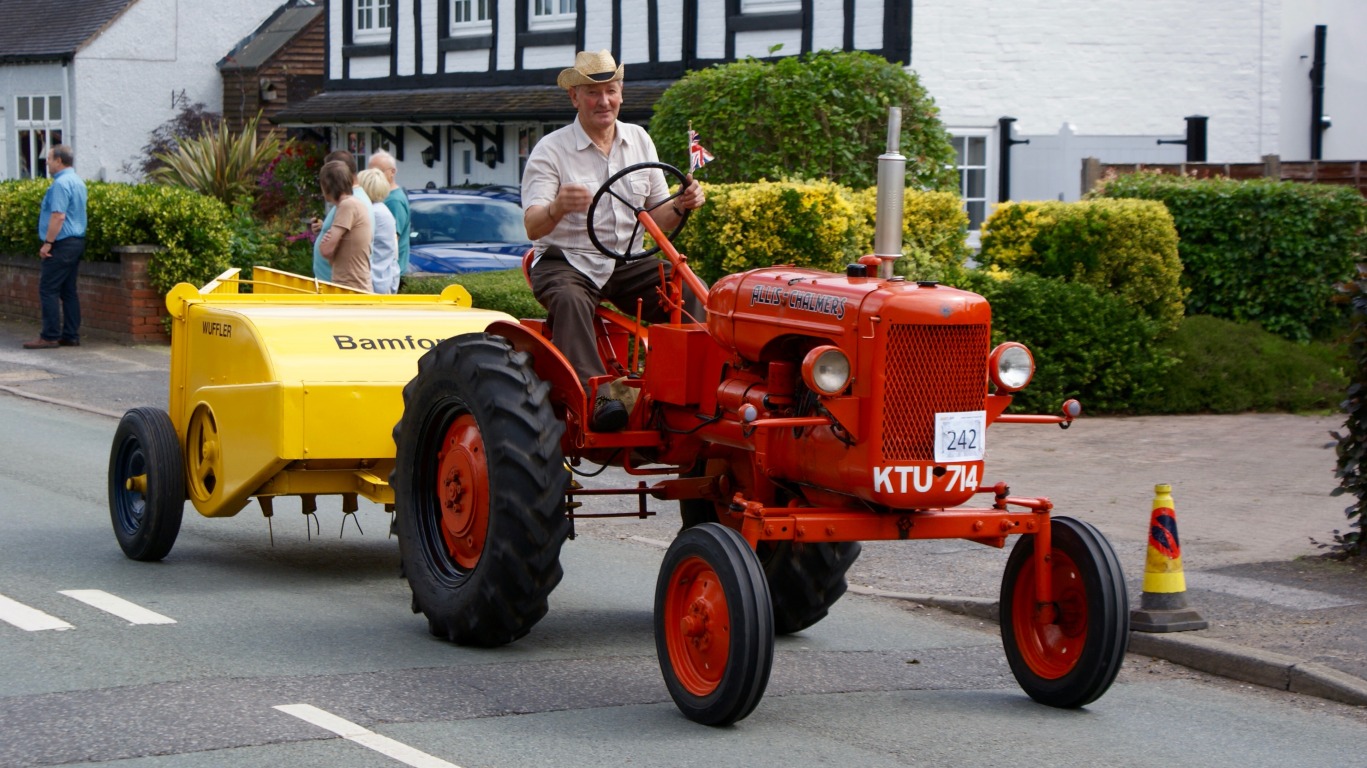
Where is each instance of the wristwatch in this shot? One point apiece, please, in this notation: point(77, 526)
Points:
point(49, 242)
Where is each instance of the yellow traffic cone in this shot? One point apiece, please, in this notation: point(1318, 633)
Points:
point(1163, 606)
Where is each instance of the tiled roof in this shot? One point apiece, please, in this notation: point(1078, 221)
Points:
point(278, 30)
point(521, 102)
point(52, 30)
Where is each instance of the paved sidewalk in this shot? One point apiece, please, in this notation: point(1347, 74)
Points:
point(1250, 493)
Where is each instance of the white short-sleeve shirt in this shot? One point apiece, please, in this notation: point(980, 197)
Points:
point(567, 156)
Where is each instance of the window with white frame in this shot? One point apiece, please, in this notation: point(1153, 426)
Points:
point(553, 14)
point(770, 6)
point(370, 21)
point(527, 137)
point(38, 128)
point(970, 160)
point(471, 17)
point(362, 143)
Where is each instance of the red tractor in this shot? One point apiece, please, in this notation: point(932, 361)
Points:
point(809, 412)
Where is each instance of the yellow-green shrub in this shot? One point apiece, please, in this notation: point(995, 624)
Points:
point(1124, 247)
point(818, 224)
point(934, 231)
point(744, 226)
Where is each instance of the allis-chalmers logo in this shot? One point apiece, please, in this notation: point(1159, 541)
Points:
point(803, 300)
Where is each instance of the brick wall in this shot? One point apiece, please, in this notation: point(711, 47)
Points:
point(117, 301)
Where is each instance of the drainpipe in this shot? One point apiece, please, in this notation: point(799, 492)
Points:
point(1318, 120)
point(1004, 157)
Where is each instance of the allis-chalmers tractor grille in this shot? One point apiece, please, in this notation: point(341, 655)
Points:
point(929, 369)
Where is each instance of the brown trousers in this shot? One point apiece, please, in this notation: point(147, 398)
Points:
point(570, 299)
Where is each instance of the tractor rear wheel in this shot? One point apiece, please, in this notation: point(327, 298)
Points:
point(146, 484)
point(1070, 656)
point(713, 626)
point(479, 486)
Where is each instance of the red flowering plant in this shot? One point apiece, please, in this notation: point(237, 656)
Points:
point(289, 185)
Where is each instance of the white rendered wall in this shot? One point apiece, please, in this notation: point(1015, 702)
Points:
point(1108, 68)
point(45, 79)
point(598, 25)
point(1345, 80)
point(635, 34)
point(757, 44)
point(126, 78)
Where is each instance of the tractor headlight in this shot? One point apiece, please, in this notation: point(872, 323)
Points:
point(1011, 366)
point(826, 370)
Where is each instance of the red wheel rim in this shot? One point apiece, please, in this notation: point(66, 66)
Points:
point(697, 626)
point(1051, 650)
point(463, 491)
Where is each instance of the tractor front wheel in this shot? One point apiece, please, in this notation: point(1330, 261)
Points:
point(713, 625)
point(146, 484)
point(805, 578)
point(1067, 652)
point(479, 487)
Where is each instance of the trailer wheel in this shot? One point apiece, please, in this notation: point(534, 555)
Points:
point(713, 625)
point(1073, 659)
point(479, 486)
point(146, 484)
point(805, 579)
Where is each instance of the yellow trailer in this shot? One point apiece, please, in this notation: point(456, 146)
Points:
point(290, 389)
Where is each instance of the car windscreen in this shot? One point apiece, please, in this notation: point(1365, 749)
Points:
point(466, 220)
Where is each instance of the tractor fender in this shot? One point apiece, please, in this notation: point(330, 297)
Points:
point(567, 392)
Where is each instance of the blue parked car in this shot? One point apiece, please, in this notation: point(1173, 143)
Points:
point(466, 230)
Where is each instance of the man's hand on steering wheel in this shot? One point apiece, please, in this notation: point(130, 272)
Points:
point(691, 197)
point(683, 201)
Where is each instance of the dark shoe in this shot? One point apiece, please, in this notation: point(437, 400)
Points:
point(41, 344)
point(609, 415)
point(69, 342)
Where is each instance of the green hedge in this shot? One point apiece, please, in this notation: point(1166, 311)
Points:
point(1229, 367)
point(194, 231)
point(823, 114)
point(818, 224)
point(743, 226)
point(505, 290)
point(1088, 345)
point(1263, 251)
point(1125, 247)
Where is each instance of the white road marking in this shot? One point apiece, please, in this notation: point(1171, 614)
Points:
point(651, 542)
point(28, 619)
point(130, 612)
point(353, 732)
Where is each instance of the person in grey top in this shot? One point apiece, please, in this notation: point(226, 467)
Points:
point(384, 248)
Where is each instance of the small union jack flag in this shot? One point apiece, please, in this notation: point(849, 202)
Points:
point(698, 156)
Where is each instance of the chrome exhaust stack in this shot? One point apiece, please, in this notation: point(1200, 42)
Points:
point(892, 174)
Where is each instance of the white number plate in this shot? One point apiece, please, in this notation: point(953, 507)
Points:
point(960, 436)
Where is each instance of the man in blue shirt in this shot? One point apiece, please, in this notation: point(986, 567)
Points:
point(396, 202)
point(61, 226)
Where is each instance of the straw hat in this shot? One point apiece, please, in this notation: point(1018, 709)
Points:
point(590, 69)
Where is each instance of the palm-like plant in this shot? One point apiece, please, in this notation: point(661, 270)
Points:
point(219, 163)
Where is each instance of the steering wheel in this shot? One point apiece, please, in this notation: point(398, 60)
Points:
point(607, 189)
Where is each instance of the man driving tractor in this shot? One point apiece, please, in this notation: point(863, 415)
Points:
point(569, 276)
